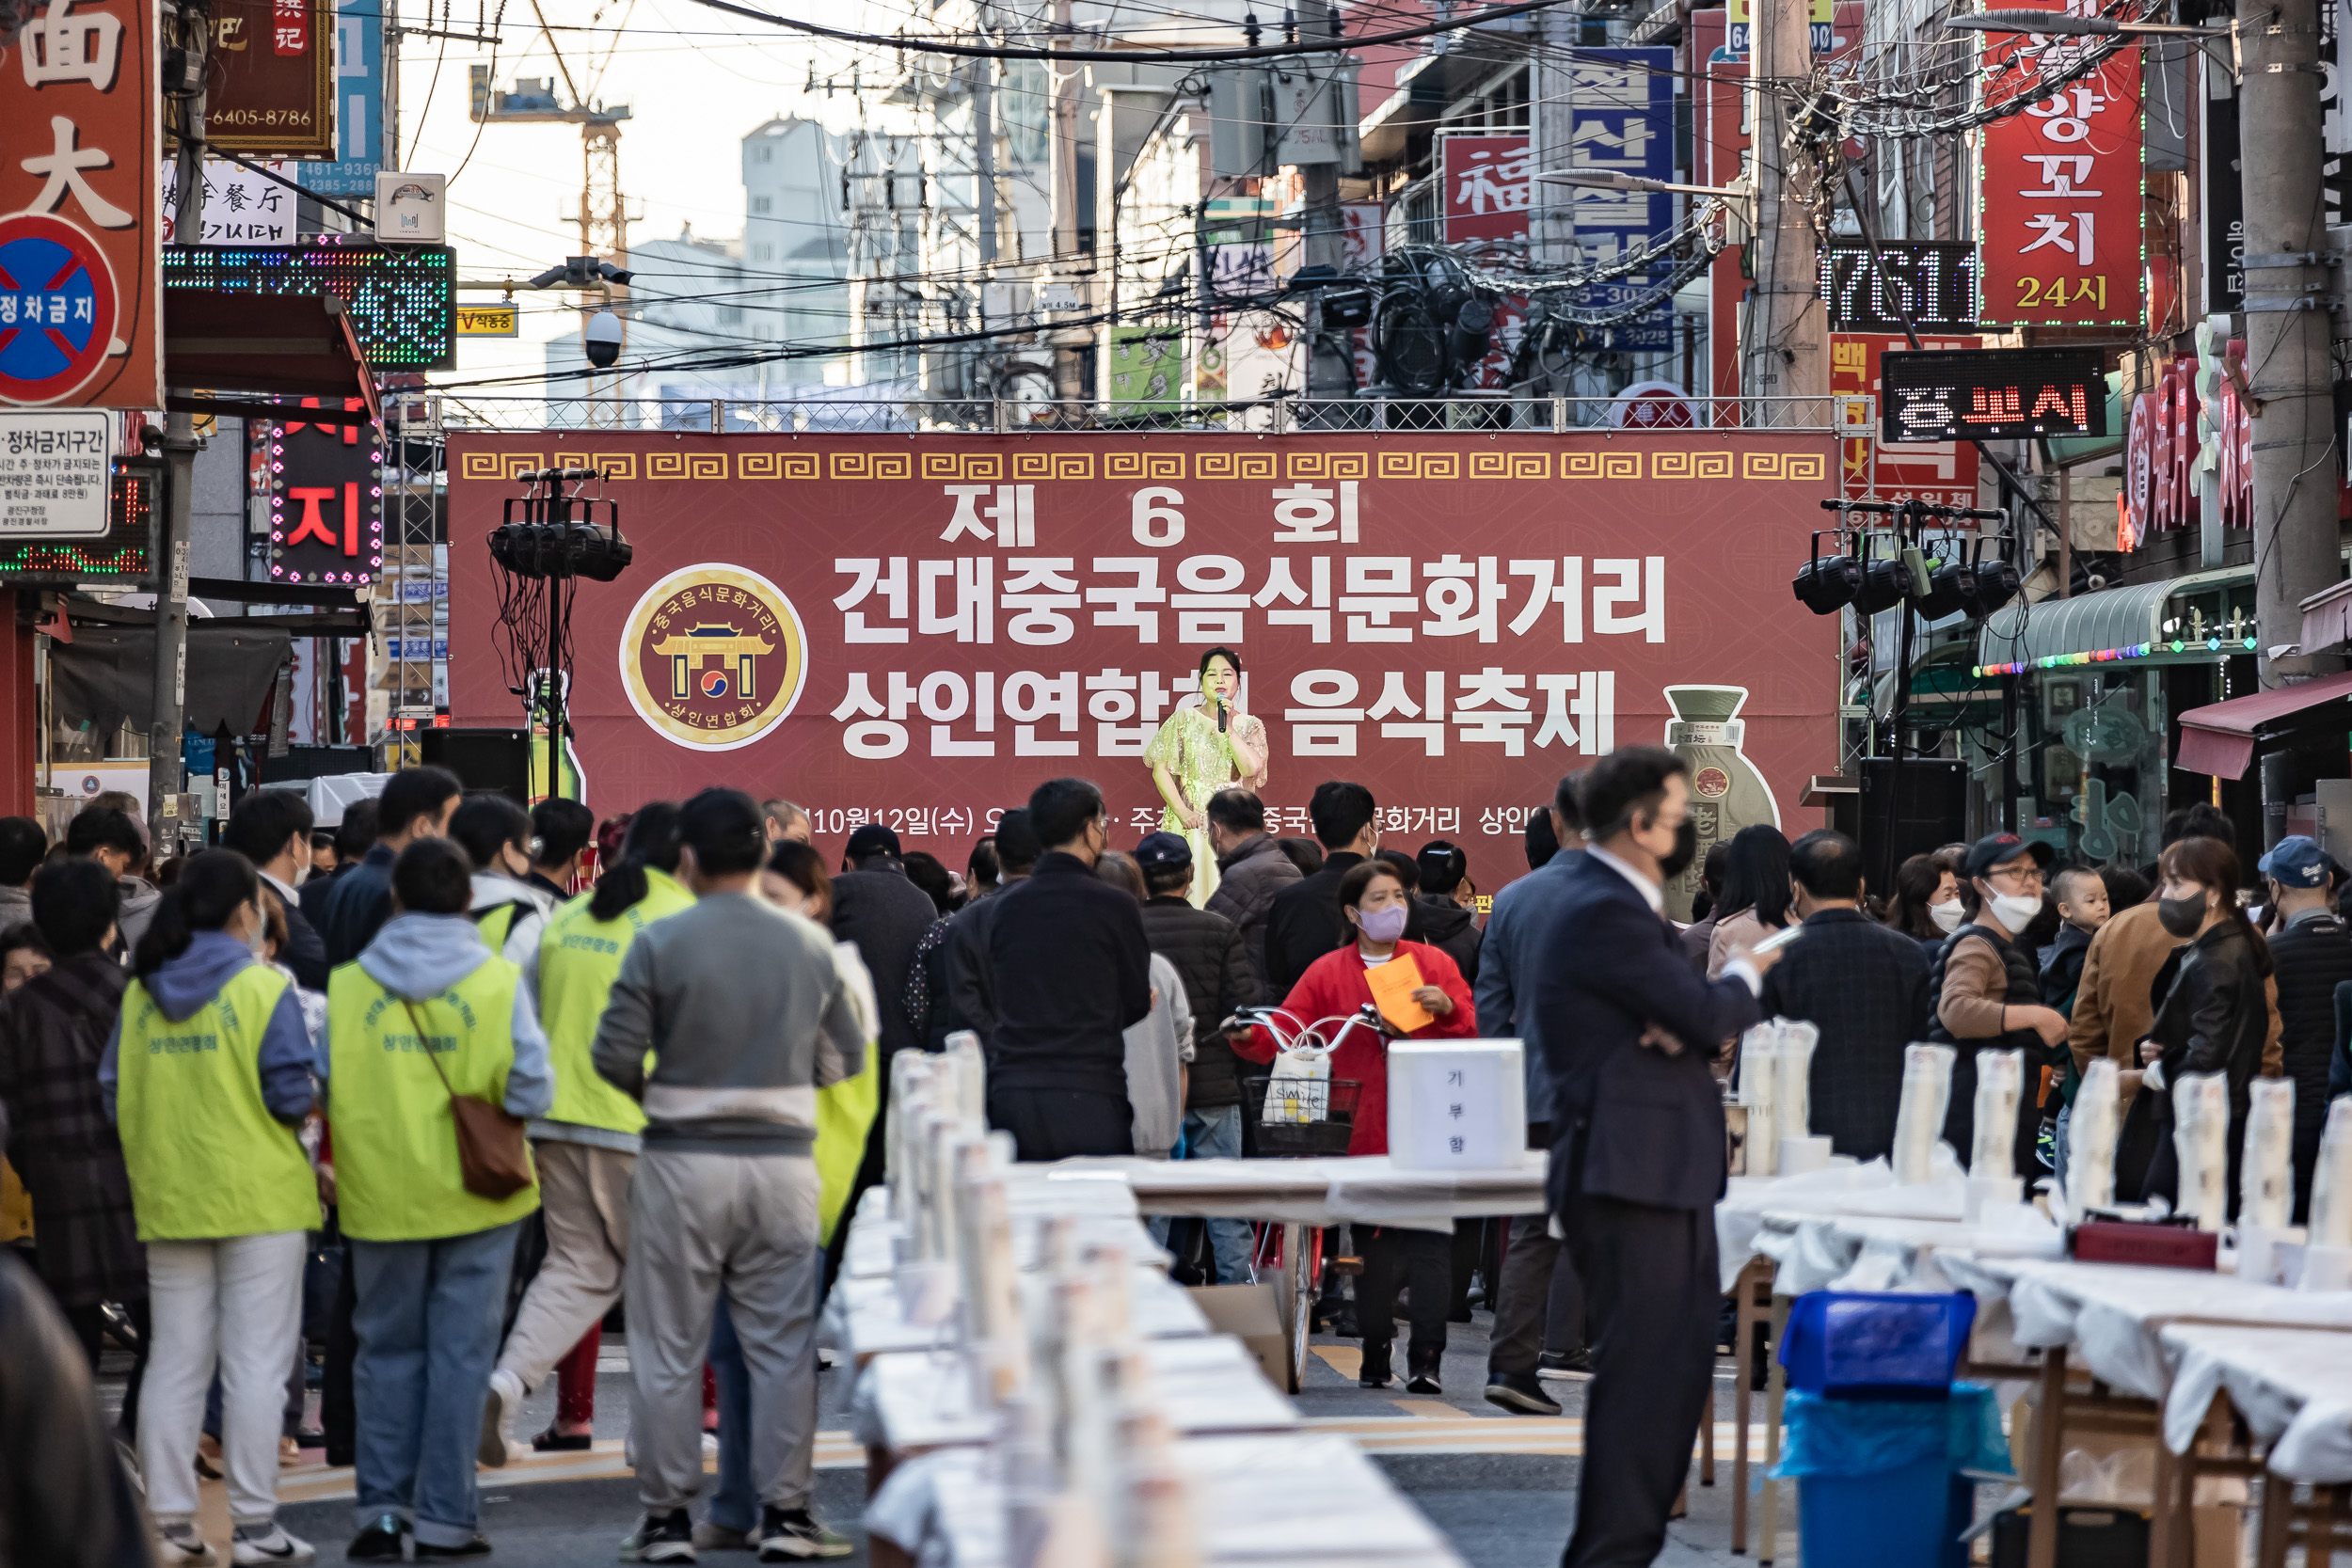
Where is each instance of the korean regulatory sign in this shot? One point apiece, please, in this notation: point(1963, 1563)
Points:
point(56, 307)
point(52, 474)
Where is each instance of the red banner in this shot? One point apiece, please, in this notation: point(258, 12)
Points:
point(919, 632)
point(1486, 182)
point(2059, 185)
point(80, 278)
point(1940, 471)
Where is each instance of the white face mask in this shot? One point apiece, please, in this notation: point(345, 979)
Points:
point(1946, 915)
point(2014, 910)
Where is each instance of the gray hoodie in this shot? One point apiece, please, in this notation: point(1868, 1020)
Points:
point(139, 898)
point(183, 985)
point(421, 956)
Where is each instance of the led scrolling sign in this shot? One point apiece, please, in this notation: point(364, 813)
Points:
point(1992, 394)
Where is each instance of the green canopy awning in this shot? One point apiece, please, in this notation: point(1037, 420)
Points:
point(2114, 618)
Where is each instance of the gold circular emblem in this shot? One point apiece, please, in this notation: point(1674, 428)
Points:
point(1712, 783)
point(713, 656)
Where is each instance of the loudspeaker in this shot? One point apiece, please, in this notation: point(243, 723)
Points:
point(1909, 813)
point(493, 760)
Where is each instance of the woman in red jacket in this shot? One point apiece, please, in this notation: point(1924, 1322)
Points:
point(1374, 901)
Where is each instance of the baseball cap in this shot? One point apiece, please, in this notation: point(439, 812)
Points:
point(2296, 861)
point(2000, 849)
point(872, 839)
point(1163, 852)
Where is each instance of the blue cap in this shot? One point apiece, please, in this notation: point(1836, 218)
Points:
point(1163, 852)
point(2297, 862)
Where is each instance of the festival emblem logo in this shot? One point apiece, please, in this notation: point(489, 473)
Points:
point(713, 656)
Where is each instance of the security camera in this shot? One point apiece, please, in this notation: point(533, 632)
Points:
point(602, 339)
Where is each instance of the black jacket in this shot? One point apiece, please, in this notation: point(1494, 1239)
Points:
point(2063, 967)
point(1305, 923)
point(2025, 990)
point(2309, 958)
point(971, 981)
point(878, 909)
point(306, 950)
point(2215, 1018)
point(1208, 954)
point(1866, 988)
point(1072, 973)
point(1248, 878)
point(1451, 929)
point(355, 905)
point(1629, 1120)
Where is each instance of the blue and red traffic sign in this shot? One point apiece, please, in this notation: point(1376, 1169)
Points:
point(57, 308)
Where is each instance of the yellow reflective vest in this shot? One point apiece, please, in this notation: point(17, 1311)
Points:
point(580, 958)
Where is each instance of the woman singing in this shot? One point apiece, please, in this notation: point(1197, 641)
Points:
point(1203, 750)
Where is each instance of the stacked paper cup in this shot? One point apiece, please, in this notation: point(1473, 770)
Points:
point(2328, 1258)
point(2267, 1179)
point(2090, 1136)
point(2201, 1144)
point(1919, 1117)
point(1993, 1177)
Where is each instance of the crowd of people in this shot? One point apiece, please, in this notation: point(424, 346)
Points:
point(410, 1107)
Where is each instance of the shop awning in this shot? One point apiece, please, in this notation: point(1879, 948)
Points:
point(2328, 618)
point(2219, 738)
point(284, 346)
point(2114, 618)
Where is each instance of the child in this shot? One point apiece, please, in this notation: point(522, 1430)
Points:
point(2082, 906)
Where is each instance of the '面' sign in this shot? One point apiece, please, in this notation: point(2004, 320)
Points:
point(1992, 394)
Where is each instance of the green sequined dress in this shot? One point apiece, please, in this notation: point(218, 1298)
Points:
point(1202, 760)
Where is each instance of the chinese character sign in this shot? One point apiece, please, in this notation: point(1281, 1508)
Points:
point(920, 632)
point(1620, 107)
point(271, 85)
point(2059, 184)
point(80, 298)
point(1943, 472)
point(240, 206)
point(1486, 181)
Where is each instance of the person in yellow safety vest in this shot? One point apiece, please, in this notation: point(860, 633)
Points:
point(207, 1077)
point(795, 879)
point(586, 1145)
point(724, 1023)
point(425, 1013)
point(495, 833)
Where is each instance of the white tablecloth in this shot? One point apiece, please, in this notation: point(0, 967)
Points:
point(1299, 1501)
point(2111, 1314)
point(866, 1316)
point(1208, 1385)
point(1367, 1190)
point(2294, 1388)
point(1845, 1188)
point(1852, 1252)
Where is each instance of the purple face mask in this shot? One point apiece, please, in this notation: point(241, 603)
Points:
point(1383, 925)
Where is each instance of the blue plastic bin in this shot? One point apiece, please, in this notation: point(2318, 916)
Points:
point(1874, 1345)
point(1881, 1481)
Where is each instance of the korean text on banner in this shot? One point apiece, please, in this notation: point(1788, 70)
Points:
point(1620, 107)
point(2059, 185)
point(1942, 472)
point(920, 632)
point(80, 292)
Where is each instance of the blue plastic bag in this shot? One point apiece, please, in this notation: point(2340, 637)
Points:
point(1848, 1438)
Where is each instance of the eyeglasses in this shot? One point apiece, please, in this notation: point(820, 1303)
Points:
point(2024, 874)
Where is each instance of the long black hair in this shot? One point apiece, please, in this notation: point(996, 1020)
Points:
point(652, 841)
point(210, 887)
point(1757, 877)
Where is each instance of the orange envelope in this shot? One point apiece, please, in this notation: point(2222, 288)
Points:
point(1392, 987)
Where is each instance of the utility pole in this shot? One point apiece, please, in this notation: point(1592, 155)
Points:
point(1554, 228)
point(1787, 351)
point(1062, 181)
point(2286, 326)
point(170, 687)
point(983, 81)
point(1322, 237)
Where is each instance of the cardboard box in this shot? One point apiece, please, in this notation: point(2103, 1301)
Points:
point(1253, 1315)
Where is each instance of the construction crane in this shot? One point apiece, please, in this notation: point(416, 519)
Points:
point(603, 210)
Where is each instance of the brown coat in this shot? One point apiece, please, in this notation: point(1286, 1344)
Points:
point(2113, 1008)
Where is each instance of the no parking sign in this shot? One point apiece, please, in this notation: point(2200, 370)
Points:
point(57, 302)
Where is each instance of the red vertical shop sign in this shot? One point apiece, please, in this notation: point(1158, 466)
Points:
point(2059, 184)
point(80, 263)
point(1943, 472)
point(1486, 181)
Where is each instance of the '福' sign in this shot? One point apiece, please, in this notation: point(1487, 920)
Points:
point(2061, 184)
point(80, 295)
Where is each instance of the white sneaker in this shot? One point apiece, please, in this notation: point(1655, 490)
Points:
point(277, 1546)
point(180, 1546)
point(499, 1412)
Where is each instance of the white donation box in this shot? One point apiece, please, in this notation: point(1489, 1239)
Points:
point(1456, 1104)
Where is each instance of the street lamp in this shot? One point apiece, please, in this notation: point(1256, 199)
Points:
point(2055, 23)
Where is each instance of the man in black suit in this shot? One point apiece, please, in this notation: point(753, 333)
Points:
point(1637, 1154)
point(1304, 922)
point(355, 835)
point(1864, 984)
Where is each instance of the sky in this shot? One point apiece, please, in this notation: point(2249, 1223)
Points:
point(695, 80)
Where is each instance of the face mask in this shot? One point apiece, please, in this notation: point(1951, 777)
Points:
point(258, 937)
point(2182, 916)
point(2014, 910)
point(1686, 849)
point(1383, 925)
point(1946, 915)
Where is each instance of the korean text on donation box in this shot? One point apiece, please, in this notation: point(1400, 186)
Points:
point(1456, 1105)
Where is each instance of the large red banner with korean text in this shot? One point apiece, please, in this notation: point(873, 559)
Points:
point(918, 631)
point(1943, 472)
point(80, 262)
point(2060, 184)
